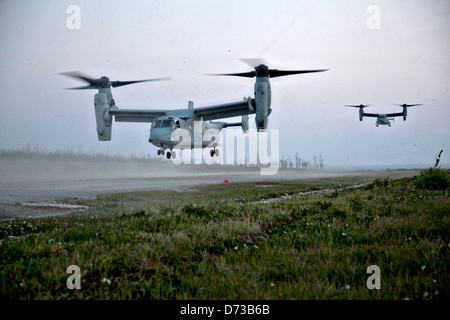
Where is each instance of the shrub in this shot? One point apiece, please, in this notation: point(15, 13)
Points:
point(433, 179)
point(379, 183)
point(336, 212)
point(192, 209)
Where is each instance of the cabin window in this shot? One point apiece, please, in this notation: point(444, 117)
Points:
point(157, 123)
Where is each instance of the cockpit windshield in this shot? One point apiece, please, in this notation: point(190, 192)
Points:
point(157, 123)
point(167, 123)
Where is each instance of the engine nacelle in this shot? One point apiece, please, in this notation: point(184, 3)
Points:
point(405, 113)
point(262, 127)
point(104, 120)
point(262, 103)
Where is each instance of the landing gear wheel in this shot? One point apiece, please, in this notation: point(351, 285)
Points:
point(216, 151)
point(158, 152)
point(174, 155)
point(211, 152)
point(168, 154)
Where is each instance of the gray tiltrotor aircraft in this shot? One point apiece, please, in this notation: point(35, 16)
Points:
point(383, 119)
point(168, 124)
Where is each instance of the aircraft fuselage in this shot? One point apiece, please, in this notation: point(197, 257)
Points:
point(383, 120)
point(176, 133)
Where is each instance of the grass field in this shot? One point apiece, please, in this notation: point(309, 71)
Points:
point(223, 242)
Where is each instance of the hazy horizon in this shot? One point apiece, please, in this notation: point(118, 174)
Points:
point(31, 153)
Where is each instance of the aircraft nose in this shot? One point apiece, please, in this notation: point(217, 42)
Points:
point(158, 134)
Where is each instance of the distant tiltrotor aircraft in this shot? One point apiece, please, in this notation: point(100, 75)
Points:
point(383, 119)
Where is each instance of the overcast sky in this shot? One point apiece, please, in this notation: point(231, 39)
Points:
point(405, 60)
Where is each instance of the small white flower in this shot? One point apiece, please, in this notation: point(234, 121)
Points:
point(423, 267)
point(256, 247)
point(108, 281)
point(235, 248)
point(425, 294)
point(347, 287)
point(272, 284)
point(344, 234)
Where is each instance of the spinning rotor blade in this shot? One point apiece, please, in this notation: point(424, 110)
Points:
point(406, 105)
point(251, 74)
point(254, 62)
point(262, 70)
point(281, 73)
point(360, 106)
point(115, 84)
point(82, 88)
point(93, 83)
point(80, 76)
point(102, 82)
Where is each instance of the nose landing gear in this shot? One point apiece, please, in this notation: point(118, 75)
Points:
point(169, 154)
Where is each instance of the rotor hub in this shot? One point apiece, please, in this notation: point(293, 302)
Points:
point(104, 82)
point(262, 71)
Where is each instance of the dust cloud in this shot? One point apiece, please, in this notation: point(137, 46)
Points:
point(35, 187)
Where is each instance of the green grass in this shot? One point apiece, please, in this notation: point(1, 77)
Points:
point(218, 242)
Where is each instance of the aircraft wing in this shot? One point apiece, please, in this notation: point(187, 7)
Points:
point(136, 115)
point(398, 114)
point(370, 115)
point(226, 110)
point(219, 111)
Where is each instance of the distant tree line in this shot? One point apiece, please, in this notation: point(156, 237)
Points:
point(29, 152)
point(298, 163)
